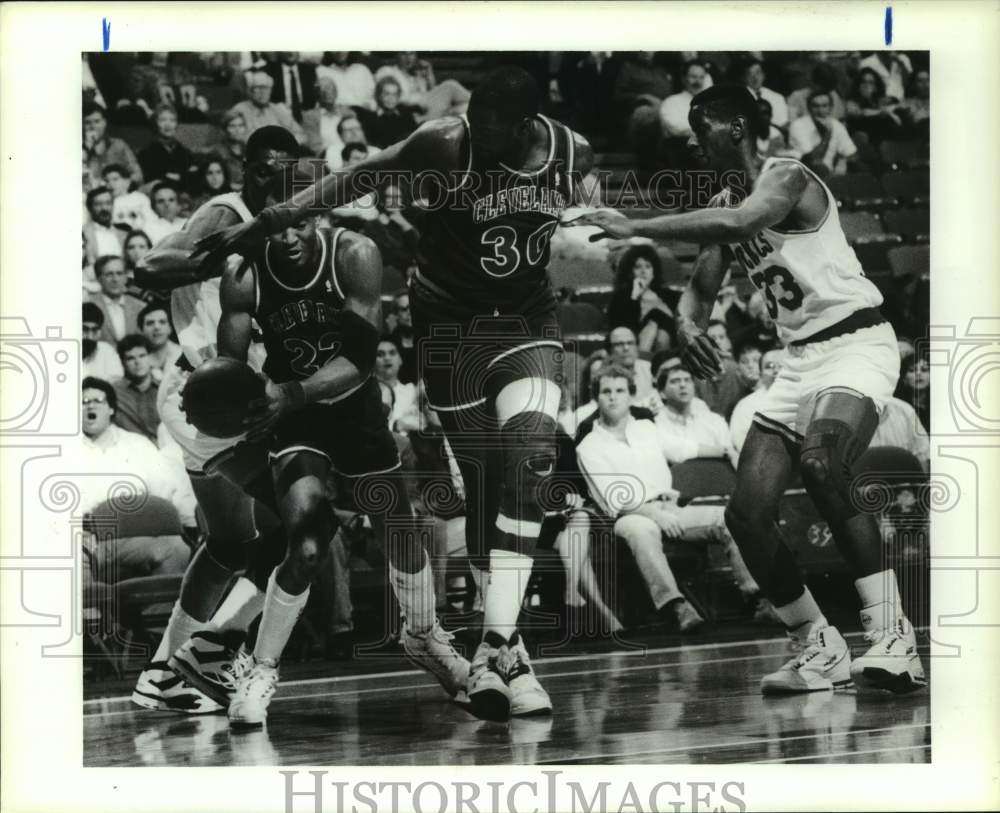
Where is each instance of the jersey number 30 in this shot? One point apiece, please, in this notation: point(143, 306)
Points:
point(506, 256)
point(791, 295)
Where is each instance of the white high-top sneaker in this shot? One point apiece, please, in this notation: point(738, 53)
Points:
point(160, 687)
point(892, 662)
point(527, 697)
point(434, 652)
point(254, 690)
point(213, 662)
point(823, 664)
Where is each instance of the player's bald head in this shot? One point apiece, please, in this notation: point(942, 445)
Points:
point(723, 104)
point(509, 93)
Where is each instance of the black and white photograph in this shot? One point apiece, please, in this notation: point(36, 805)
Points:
point(507, 411)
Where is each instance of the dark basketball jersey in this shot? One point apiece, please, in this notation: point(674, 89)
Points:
point(300, 323)
point(486, 238)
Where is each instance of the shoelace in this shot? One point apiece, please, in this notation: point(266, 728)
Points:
point(513, 665)
point(257, 676)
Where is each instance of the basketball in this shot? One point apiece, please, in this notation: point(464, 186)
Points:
point(216, 396)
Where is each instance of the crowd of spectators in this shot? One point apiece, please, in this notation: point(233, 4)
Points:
point(627, 394)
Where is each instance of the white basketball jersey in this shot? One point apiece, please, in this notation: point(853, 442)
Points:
point(196, 309)
point(810, 279)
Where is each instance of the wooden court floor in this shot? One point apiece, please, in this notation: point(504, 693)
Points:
point(676, 704)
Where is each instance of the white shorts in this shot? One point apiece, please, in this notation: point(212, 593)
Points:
point(865, 361)
point(197, 447)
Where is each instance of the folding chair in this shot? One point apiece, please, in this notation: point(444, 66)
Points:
point(911, 187)
point(910, 260)
point(913, 225)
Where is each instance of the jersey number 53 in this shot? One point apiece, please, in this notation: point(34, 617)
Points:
point(789, 295)
point(505, 255)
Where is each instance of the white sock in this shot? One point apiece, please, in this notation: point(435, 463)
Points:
point(415, 592)
point(240, 607)
point(881, 605)
point(179, 629)
point(508, 579)
point(802, 615)
point(281, 611)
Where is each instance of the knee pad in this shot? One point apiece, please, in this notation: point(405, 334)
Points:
point(828, 451)
point(529, 457)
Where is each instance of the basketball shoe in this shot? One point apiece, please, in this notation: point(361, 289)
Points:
point(254, 690)
point(434, 652)
point(892, 662)
point(527, 697)
point(161, 689)
point(487, 693)
point(823, 664)
point(213, 662)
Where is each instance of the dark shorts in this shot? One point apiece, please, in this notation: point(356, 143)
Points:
point(352, 433)
point(466, 356)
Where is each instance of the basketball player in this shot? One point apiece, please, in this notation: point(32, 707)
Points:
point(822, 409)
point(315, 292)
point(229, 513)
point(484, 316)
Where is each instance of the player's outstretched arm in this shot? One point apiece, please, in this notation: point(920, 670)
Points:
point(778, 191)
point(170, 265)
point(237, 297)
point(695, 309)
point(427, 149)
point(360, 267)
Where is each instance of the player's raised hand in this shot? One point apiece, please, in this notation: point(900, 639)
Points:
point(611, 223)
point(239, 239)
point(701, 356)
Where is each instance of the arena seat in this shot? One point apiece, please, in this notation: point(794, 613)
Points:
point(597, 295)
point(584, 343)
point(873, 257)
point(910, 260)
point(154, 516)
point(580, 317)
point(859, 190)
point(913, 225)
point(864, 227)
point(909, 154)
point(912, 187)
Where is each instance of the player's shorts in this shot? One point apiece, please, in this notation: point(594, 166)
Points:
point(865, 361)
point(198, 448)
point(466, 355)
point(352, 433)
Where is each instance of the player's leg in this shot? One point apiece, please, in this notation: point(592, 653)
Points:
point(307, 516)
point(841, 428)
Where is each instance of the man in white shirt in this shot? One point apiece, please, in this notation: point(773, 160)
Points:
point(624, 461)
point(258, 111)
point(108, 452)
point(754, 78)
point(821, 141)
point(100, 359)
point(624, 350)
point(100, 236)
point(674, 109)
point(899, 426)
point(355, 83)
point(742, 417)
point(321, 122)
point(686, 417)
point(121, 310)
point(154, 324)
point(404, 416)
point(167, 209)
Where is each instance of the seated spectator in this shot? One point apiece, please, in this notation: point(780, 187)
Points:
point(404, 416)
point(623, 451)
point(743, 412)
point(420, 91)
point(770, 140)
point(687, 420)
point(353, 154)
point(120, 308)
point(112, 451)
point(355, 83)
point(129, 208)
point(192, 107)
point(586, 402)
point(674, 110)
point(321, 121)
point(624, 350)
point(90, 283)
point(350, 132)
point(395, 236)
point(233, 146)
point(100, 360)
point(402, 334)
point(642, 83)
point(137, 246)
point(822, 142)
point(893, 69)
point(133, 109)
point(754, 78)
point(824, 78)
point(914, 387)
point(722, 393)
point(916, 110)
point(900, 426)
point(870, 111)
point(167, 211)
point(389, 123)
point(101, 237)
point(259, 111)
point(294, 83)
point(154, 325)
point(638, 299)
point(213, 179)
point(99, 149)
point(165, 158)
point(135, 392)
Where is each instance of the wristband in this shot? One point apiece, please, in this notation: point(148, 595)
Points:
point(295, 393)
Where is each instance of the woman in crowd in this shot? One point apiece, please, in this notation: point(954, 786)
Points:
point(914, 386)
point(213, 179)
point(638, 302)
point(869, 111)
point(916, 111)
point(392, 121)
point(230, 152)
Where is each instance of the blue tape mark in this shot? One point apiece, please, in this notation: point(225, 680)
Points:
point(106, 30)
point(888, 25)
